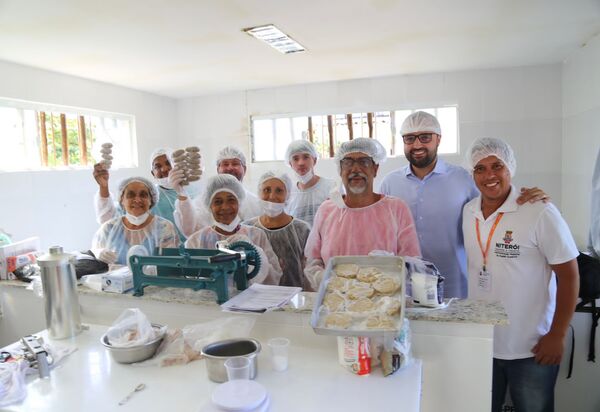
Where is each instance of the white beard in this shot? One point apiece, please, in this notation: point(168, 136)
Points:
point(357, 190)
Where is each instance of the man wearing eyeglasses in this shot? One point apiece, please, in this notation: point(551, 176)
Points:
point(361, 221)
point(436, 192)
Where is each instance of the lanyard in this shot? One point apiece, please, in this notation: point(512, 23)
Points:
point(489, 239)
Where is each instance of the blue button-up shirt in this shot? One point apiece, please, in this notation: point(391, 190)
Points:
point(436, 203)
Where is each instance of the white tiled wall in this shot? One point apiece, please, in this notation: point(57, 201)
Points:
point(580, 147)
point(581, 134)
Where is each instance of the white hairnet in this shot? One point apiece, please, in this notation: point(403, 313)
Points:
point(151, 188)
point(223, 183)
point(420, 122)
point(276, 175)
point(231, 152)
point(485, 147)
point(300, 146)
point(366, 145)
point(160, 152)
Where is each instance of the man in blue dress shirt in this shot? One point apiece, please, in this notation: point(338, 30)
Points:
point(436, 192)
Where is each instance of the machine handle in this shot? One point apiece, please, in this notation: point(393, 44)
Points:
point(223, 258)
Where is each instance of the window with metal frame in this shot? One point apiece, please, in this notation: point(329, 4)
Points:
point(272, 134)
point(37, 136)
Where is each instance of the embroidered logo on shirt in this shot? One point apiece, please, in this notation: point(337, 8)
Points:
point(507, 249)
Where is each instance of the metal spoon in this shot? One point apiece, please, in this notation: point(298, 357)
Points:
point(136, 389)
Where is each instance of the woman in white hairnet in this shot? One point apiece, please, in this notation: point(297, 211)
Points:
point(310, 190)
point(195, 215)
point(137, 195)
point(160, 164)
point(287, 234)
point(223, 197)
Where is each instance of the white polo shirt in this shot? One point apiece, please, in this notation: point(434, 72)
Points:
point(527, 240)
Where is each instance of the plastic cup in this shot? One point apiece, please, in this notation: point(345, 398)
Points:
point(237, 368)
point(279, 353)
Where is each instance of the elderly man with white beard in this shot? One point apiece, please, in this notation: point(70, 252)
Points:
point(360, 221)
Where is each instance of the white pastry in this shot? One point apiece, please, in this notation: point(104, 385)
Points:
point(338, 320)
point(347, 270)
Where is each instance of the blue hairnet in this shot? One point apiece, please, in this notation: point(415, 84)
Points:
point(231, 152)
point(275, 175)
point(223, 183)
point(485, 147)
point(300, 146)
point(151, 188)
point(420, 122)
point(366, 145)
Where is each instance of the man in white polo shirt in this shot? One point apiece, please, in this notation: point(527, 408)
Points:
point(524, 256)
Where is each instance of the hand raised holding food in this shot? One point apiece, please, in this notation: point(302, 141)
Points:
point(101, 176)
point(176, 179)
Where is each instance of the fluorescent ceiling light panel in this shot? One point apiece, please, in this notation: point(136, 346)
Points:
point(275, 38)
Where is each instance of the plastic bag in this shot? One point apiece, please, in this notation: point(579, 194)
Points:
point(132, 328)
point(12, 382)
point(36, 286)
point(181, 346)
point(424, 282)
point(92, 281)
point(400, 355)
point(13, 374)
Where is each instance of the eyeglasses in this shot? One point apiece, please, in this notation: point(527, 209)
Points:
point(423, 138)
point(363, 162)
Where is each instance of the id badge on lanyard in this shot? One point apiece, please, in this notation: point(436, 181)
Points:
point(484, 280)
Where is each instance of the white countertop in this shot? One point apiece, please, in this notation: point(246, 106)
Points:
point(90, 380)
point(460, 310)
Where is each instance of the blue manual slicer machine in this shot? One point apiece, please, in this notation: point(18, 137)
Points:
point(198, 268)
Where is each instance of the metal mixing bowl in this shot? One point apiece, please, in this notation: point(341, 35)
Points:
point(217, 353)
point(133, 353)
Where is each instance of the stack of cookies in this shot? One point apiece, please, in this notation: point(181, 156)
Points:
point(106, 153)
point(361, 298)
point(188, 160)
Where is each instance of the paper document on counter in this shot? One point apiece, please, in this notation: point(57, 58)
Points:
point(261, 298)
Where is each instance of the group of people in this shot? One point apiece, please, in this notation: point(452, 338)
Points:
point(488, 239)
point(276, 219)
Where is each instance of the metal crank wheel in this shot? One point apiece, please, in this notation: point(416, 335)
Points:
point(252, 256)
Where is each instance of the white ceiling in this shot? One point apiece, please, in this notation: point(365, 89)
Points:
point(182, 48)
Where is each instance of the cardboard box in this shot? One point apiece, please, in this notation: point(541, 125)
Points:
point(117, 281)
point(22, 247)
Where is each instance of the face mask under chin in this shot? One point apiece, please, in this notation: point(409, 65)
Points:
point(272, 209)
point(306, 178)
point(229, 228)
point(164, 182)
point(137, 220)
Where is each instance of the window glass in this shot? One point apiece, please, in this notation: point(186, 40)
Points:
point(271, 136)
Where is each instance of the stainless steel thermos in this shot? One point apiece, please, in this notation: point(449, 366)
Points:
point(59, 283)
